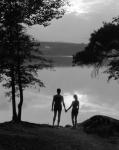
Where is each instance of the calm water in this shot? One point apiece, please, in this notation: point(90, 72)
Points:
point(96, 96)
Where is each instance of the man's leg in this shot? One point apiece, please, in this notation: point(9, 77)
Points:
point(54, 118)
point(59, 115)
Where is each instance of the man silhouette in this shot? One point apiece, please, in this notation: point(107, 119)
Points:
point(57, 102)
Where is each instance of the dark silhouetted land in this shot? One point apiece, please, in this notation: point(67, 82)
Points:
point(29, 136)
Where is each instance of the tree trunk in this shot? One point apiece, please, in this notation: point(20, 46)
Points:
point(21, 93)
point(14, 115)
point(20, 103)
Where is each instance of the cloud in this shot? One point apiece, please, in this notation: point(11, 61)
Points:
point(82, 18)
point(77, 7)
point(80, 7)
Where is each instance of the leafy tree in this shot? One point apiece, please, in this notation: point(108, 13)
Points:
point(20, 68)
point(31, 11)
point(102, 50)
point(29, 60)
point(20, 58)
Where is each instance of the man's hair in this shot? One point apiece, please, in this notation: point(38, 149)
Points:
point(58, 90)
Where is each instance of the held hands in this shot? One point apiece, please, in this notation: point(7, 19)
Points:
point(65, 110)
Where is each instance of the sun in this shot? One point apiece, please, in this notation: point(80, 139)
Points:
point(68, 98)
point(78, 7)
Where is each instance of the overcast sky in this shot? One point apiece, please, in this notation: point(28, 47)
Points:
point(81, 19)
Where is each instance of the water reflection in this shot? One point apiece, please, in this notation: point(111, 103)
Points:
point(96, 96)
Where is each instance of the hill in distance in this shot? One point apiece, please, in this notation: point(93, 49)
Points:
point(101, 125)
point(60, 53)
point(60, 49)
point(30, 136)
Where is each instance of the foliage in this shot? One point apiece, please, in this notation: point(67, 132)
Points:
point(102, 50)
point(31, 11)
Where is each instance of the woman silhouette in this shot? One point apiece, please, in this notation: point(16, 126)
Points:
point(75, 109)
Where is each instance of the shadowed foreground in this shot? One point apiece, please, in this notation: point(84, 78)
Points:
point(28, 136)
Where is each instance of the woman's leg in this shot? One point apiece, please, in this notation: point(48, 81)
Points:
point(76, 119)
point(76, 115)
point(72, 117)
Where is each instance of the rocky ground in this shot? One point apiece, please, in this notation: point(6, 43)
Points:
point(29, 136)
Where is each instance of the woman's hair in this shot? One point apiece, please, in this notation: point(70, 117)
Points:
point(75, 96)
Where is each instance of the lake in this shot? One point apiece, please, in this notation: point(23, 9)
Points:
point(96, 96)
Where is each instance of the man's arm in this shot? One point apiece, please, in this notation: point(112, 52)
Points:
point(63, 102)
point(53, 103)
point(78, 105)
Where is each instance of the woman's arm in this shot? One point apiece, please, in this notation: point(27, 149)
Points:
point(69, 108)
